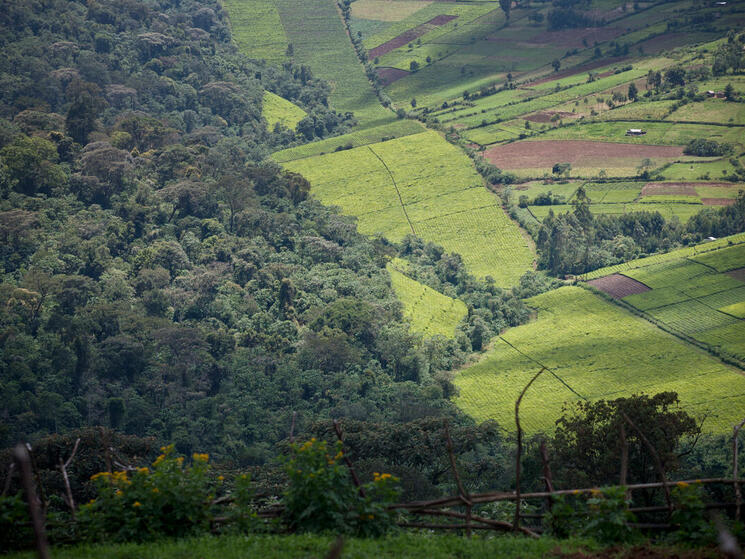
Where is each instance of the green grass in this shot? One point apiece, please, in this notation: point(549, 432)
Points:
point(712, 110)
point(430, 312)
point(363, 137)
point(442, 195)
point(407, 545)
point(277, 109)
point(737, 309)
point(724, 260)
point(595, 350)
point(257, 29)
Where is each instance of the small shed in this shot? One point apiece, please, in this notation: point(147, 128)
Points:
point(635, 132)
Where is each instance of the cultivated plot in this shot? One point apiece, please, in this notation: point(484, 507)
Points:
point(423, 185)
point(594, 350)
point(278, 110)
point(430, 312)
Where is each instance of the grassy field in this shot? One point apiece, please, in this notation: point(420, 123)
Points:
point(430, 312)
point(276, 109)
point(594, 350)
point(408, 545)
point(421, 184)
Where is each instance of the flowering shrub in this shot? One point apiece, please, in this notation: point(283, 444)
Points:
point(168, 499)
point(322, 496)
point(609, 515)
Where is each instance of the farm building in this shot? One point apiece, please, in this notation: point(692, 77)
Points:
point(635, 132)
point(716, 94)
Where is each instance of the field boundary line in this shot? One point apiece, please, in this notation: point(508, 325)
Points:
point(400, 199)
point(731, 360)
point(561, 380)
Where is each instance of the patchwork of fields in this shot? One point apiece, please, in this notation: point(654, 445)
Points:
point(698, 296)
point(594, 350)
point(422, 185)
point(431, 313)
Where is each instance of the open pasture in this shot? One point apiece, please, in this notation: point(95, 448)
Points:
point(711, 110)
point(594, 350)
point(430, 312)
point(423, 185)
point(277, 110)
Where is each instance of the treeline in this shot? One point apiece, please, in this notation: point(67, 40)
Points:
point(578, 242)
point(159, 277)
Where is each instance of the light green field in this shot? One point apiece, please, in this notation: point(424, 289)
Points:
point(277, 109)
point(363, 137)
point(682, 211)
point(712, 110)
point(257, 29)
point(421, 184)
point(430, 312)
point(689, 294)
point(595, 350)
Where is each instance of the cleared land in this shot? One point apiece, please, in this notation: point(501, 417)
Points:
point(430, 312)
point(278, 110)
point(594, 350)
point(531, 155)
point(618, 286)
point(423, 185)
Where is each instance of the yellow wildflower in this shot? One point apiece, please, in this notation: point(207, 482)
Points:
point(180, 460)
point(118, 493)
point(137, 504)
point(159, 459)
point(143, 470)
point(370, 516)
point(200, 457)
point(338, 455)
point(220, 478)
point(156, 490)
point(682, 484)
point(100, 474)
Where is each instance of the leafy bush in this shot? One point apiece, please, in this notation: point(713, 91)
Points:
point(609, 516)
point(322, 497)
point(169, 499)
point(15, 524)
point(707, 148)
point(689, 516)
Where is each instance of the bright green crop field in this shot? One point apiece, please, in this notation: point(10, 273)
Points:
point(594, 350)
point(397, 129)
point(430, 312)
point(421, 184)
point(257, 29)
point(277, 109)
point(314, 28)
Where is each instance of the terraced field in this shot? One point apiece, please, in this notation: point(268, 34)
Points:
point(277, 110)
point(257, 29)
point(594, 350)
point(421, 184)
point(696, 296)
point(431, 313)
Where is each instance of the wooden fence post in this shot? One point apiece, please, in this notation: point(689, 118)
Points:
point(22, 457)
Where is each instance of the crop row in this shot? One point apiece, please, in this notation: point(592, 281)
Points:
point(594, 350)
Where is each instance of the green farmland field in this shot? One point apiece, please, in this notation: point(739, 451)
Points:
point(431, 313)
point(319, 39)
point(421, 184)
point(693, 296)
point(276, 109)
point(594, 350)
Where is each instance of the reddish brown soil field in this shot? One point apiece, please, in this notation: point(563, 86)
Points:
point(532, 154)
point(738, 274)
point(409, 35)
point(669, 188)
point(389, 75)
point(717, 201)
point(618, 286)
point(545, 116)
